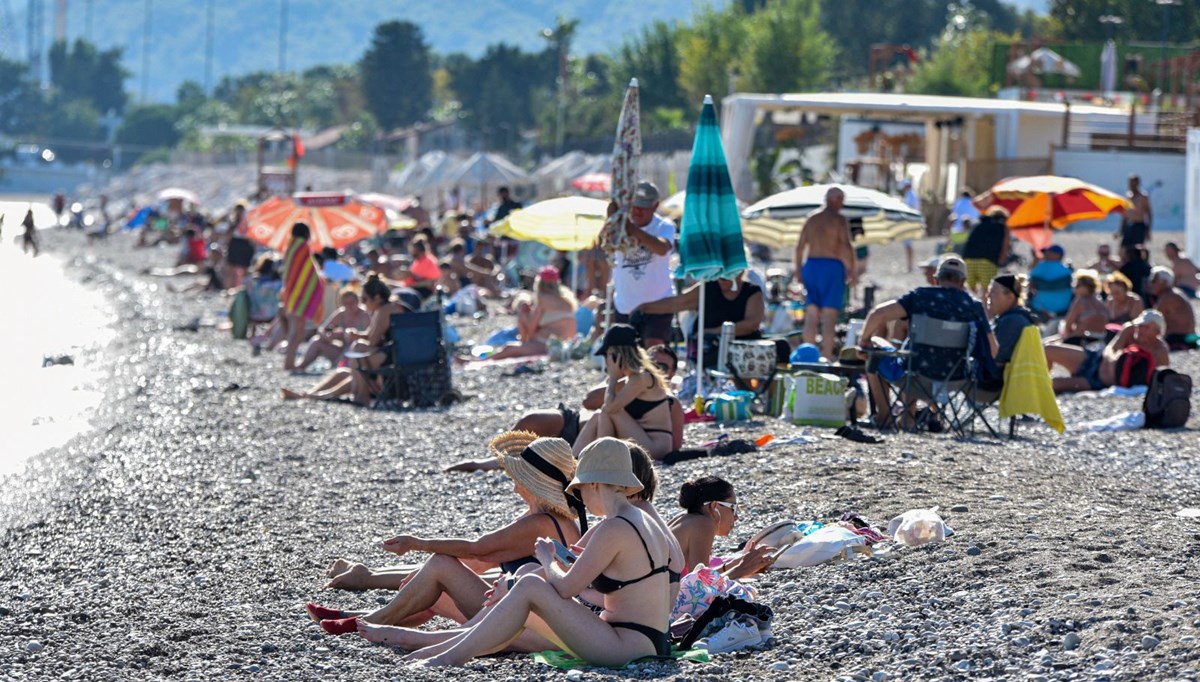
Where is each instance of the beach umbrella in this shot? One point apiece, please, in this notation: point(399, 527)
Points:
point(178, 194)
point(776, 221)
point(336, 219)
point(484, 170)
point(1108, 67)
point(593, 183)
point(710, 237)
point(627, 150)
point(563, 224)
point(1036, 204)
point(1044, 61)
point(388, 202)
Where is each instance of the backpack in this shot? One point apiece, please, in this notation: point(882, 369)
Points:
point(1168, 401)
point(1135, 367)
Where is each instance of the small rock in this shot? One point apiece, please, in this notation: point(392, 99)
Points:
point(575, 675)
point(1103, 558)
point(997, 498)
point(269, 648)
point(781, 666)
point(874, 594)
point(879, 677)
point(843, 605)
point(33, 646)
point(1033, 536)
point(1071, 641)
point(886, 608)
point(252, 668)
point(1103, 665)
point(1070, 596)
point(1047, 660)
point(1149, 642)
point(962, 666)
point(959, 508)
point(1187, 639)
point(973, 551)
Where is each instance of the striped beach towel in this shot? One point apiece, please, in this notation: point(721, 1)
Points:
point(303, 289)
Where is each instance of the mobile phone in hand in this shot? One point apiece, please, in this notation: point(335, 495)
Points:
point(564, 554)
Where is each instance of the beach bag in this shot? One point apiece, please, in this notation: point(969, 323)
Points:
point(753, 359)
point(824, 545)
point(816, 400)
point(917, 527)
point(732, 406)
point(1135, 366)
point(698, 589)
point(1168, 401)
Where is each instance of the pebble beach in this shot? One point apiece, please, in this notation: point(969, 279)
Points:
point(181, 537)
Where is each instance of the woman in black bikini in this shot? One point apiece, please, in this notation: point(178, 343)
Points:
point(640, 410)
point(448, 584)
point(636, 608)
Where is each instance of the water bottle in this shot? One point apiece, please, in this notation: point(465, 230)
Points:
point(723, 346)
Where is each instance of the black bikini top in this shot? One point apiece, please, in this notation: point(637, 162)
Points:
point(638, 408)
point(605, 585)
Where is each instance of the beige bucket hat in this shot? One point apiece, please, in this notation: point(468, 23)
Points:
point(606, 460)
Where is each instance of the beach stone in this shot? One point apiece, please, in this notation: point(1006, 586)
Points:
point(1102, 666)
point(575, 675)
point(1187, 639)
point(843, 605)
point(1071, 641)
point(253, 668)
point(1071, 596)
point(33, 646)
point(886, 608)
point(781, 666)
point(880, 676)
point(959, 508)
point(973, 551)
point(1149, 642)
point(962, 666)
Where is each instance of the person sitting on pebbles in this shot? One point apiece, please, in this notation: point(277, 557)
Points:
point(351, 382)
point(639, 408)
point(710, 511)
point(333, 336)
point(448, 584)
point(626, 560)
point(1094, 370)
point(413, 639)
point(566, 422)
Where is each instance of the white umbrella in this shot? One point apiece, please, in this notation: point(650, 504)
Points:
point(1108, 67)
point(486, 169)
point(777, 220)
point(178, 193)
point(1044, 61)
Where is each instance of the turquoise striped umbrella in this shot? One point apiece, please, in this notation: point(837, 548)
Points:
point(710, 238)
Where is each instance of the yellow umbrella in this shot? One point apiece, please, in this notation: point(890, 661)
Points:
point(563, 224)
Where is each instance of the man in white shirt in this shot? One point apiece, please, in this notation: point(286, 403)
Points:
point(644, 275)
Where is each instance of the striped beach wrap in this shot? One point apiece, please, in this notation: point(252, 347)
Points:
point(303, 290)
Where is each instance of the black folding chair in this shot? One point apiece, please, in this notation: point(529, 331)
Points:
point(419, 373)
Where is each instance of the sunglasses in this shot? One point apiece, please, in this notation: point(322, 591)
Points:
point(731, 505)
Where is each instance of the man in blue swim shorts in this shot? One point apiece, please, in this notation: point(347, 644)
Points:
point(825, 263)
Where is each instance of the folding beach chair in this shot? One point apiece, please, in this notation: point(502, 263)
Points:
point(419, 373)
point(944, 388)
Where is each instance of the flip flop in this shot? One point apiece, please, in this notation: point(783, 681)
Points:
point(856, 435)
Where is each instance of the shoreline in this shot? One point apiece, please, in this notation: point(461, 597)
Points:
point(183, 536)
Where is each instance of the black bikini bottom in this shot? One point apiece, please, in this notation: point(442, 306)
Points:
point(662, 644)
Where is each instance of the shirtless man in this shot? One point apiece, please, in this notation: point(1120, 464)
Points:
point(1176, 310)
point(1135, 224)
point(1092, 370)
point(484, 272)
point(1104, 262)
point(1187, 277)
point(825, 263)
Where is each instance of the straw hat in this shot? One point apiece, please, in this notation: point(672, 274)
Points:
point(606, 460)
point(509, 450)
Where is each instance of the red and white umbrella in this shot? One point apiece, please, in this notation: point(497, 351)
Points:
point(593, 183)
point(334, 219)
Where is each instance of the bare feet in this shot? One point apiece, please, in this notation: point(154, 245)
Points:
point(289, 394)
point(353, 578)
point(338, 567)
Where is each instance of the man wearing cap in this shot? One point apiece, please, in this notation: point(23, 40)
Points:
point(986, 249)
point(1177, 313)
point(643, 274)
point(1093, 370)
point(1050, 284)
point(947, 301)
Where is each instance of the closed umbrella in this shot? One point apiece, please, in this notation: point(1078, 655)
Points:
point(710, 237)
point(1039, 203)
point(627, 151)
point(776, 221)
point(335, 219)
point(1108, 68)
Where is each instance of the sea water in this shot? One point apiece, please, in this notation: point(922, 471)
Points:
point(44, 313)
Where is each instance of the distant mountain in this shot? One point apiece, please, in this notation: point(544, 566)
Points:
point(319, 31)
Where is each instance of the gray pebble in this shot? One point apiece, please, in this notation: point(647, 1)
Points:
point(962, 666)
point(252, 668)
point(879, 677)
point(973, 551)
point(33, 646)
point(575, 675)
point(843, 605)
point(781, 666)
point(1071, 641)
point(1071, 596)
point(959, 508)
point(1149, 642)
point(1103, 665)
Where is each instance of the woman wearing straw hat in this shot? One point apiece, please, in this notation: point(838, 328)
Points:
point(626, 561)
point(540, 469)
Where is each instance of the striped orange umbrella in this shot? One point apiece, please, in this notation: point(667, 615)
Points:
point(335, 219)
point(1039, 203)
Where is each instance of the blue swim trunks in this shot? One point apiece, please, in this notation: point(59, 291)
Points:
point(825, 282)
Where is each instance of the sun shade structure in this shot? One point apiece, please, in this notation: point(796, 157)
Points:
point(1039, 203)
point(1044, 61)
point(710, 238)
point(179, 194)
point(777, 220)
point(335, 219)
point(563, 224)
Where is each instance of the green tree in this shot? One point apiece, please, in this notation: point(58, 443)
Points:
point(959, 65)
point(1141, 20)
point(497, 92)
point(710, 51)
point(151, 125)
point(82, 72)
point(652, 57)
point(20, 100)
point(786, 48)
point(396, 72)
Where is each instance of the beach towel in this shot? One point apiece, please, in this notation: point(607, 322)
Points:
point(1027, 385)
point(303, 290)
point(561, 659)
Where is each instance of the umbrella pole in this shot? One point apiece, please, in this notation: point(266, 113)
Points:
point(700, 348)
point(575, 272)
point(1049, 214)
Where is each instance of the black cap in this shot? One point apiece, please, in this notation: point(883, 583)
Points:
point(619, 335)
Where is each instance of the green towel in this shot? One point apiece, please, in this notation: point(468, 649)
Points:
point(561, 659)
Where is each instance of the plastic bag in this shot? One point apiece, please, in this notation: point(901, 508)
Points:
point(917, 527)
point(826, 544)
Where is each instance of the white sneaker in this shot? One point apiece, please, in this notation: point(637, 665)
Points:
point(736, 635)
